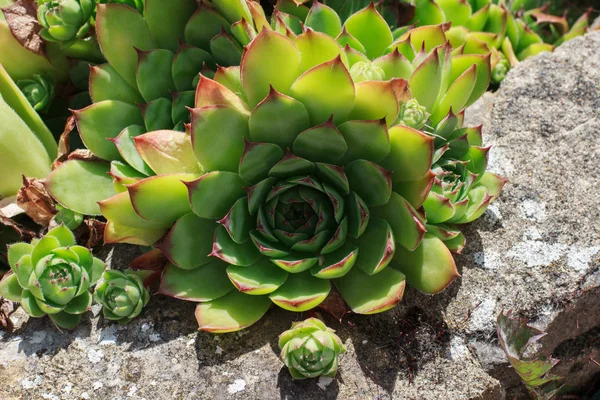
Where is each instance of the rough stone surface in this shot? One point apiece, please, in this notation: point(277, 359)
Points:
point(536, 251)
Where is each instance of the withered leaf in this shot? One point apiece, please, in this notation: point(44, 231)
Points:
point(36, 201)
point(24, 26)
point(335, 305)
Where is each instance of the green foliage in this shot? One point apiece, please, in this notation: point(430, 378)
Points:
point(310, 349)
point(52, 276)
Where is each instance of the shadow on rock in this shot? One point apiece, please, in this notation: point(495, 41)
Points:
point(41, 337)
point(307, 389)
point(214, 349)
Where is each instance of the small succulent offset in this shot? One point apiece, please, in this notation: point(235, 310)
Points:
point(39, 91)
point(52, 276)
point(310, 349)
point(121, 294)
point(65, 20)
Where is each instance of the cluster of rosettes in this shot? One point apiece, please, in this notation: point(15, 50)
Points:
point(315, 162)
point(511, 33)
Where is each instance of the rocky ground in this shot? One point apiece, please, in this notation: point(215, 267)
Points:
point(536, 251)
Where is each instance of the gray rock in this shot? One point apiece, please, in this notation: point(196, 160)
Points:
point(536, 251)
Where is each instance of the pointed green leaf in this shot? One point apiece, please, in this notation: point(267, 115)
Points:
point(326, 90)
point(226, 249)
point(257, 160)
point(371, 182)
point(107, 84)
point(204, 283)
point(429, 268)
point(10, 288)
point(337, 263)
point(411, 154)
point(79, 185)
point(317, 48)
point(167, 152)
point(214, 193)
point(367, 140)
point(271, 60)
point(377, 247)
point(205, 24)
point(218, 134)
point(162, 198)
point(121, 30)
point(324, 19)
point(259, 278)
point(188, 62)
point(167, 20)
point(406, 223)
point(371, 30)
point(370, 294)
point(301, 292)
point(105, 120)
point(278, 119)
point(189, 243)
point(322, 143)
point(232, 312)
point(376, 100)
point(154, 76)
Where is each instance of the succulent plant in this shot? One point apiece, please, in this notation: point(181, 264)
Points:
point(490, 25)
point(121, 294)
point(310, 349)
point(21, 128)
point(333, 183)
point(52, 276)
point(462, 190)
point(64, 20)
point(39, 91)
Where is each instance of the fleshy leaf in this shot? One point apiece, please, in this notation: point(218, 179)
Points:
point(218, 134)
point(429, 268)
point(278, 119)
point(167, 152)
point(121, 30)
point(105, 120)
point(271, 60)
point(161, 198)
point(326, 90)
point(79, 185)
point(301, 292)
point(262, 277)
point(371, 30)
point(204, 283)
point(214, 193)
point(189, 243)
point(370, 294)
point(232, 312)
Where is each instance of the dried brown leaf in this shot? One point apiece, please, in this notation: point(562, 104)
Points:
point(64, 143)
point(24, 26)
point(90, 232)
point(335, 305)
point(84, 155)
point(6, 309)
point(36, 201)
